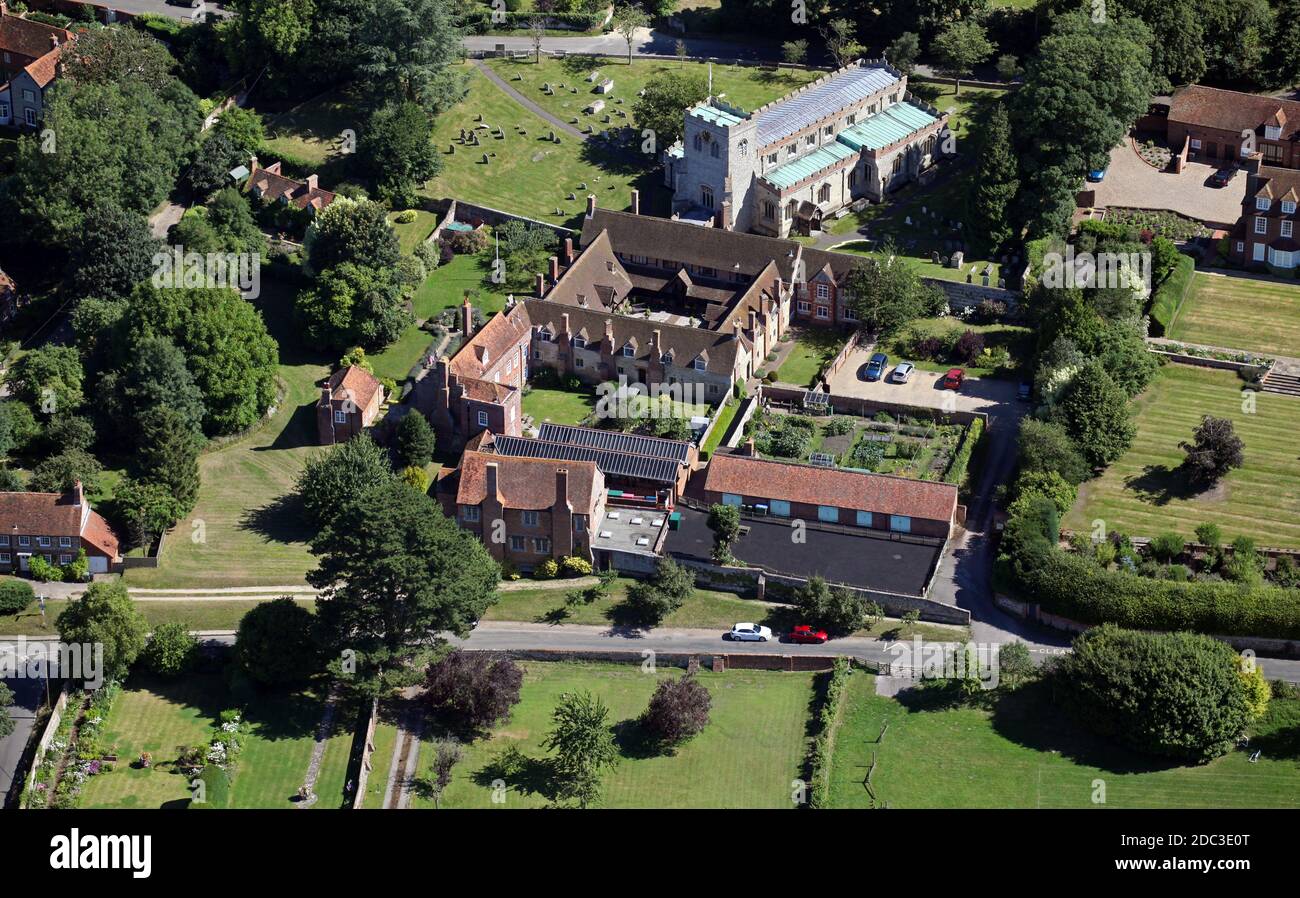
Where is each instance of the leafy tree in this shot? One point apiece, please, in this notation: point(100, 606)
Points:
point(724, 521)
point(170, 649)
point(353, 304)
point(48, 379)
point(69, 432)
point(268, 32)
point(330, 479)
point(1095, 412)
point(226, 347)
point(678, 710)
point(903, 52)
point(994, 187)
point(58, 473)
point(242, 127)
point(841, 41)
point(18, 426)
point(629, 19)
point(154, 376)
point(659, 108)
point(194, 232)
point(477, 689)
point(10, 482)
point(118, 53)
point(393, 569)
point(1214, 451)
point(105, 614)
point(277, 644)
point(959, 48)
point(834, 609)
point(793, 52)
point(145, 509)
point(216, 157)
point(352, 231)
point(115, 253)
point(396, 152)
point(583, 745)
point(409, 49)
point(1008, 67)
point(169, 454)
point(887, 293)
point(1172, 694)
point(415, 440)
point(1258, 691)
point(651, 600)
point(1015, 666)
point(231, 217)
point(15, 596)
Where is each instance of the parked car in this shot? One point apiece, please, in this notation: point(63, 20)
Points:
point(876, 367)
point(1223, 177)
point(952, 380)
point(805, 633)
point(1024, 391)
point(1097, 174)
point(749, 633)
point(902, 372)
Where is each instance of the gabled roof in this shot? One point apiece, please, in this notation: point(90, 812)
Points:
point(595, 276)
point(824, 97)
point(354, 383)
point(498, 336)
point(654, 447)
point(528, 484)
point(271, 183)
point(25, 37)
point(1230, 110)
point(880, 493)
point(1275, 184)
point(56, 514)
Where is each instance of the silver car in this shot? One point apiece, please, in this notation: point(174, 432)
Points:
point(902, 372)
point(750, 633)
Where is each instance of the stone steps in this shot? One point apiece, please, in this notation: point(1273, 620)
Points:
point(1276, 382)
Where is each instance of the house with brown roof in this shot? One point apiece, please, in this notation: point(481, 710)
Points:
point(1228, 125)
point(526, 510)
point(349, 403)
point(271, 185)
point(29, 62)
point(832, 496)
point(56, 526)
point(1268, 233)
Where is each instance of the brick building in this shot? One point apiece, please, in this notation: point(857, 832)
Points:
point(55, 526)
point(30, 53)
point(1228, 126)
point(349, 403)
point(1268, 233)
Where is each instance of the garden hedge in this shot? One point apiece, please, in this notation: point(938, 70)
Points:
point(1167, 297)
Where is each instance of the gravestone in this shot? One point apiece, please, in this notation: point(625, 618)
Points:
point(985, 280)
point(957, 259)
point(485, 158)
point(538, 156)
point(593, 76)
point(934, 256)
point(907, 220)
point(605, 86)
point(1002, 283)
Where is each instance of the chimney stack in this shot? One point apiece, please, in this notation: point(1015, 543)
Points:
point(568, 251)
point(565, 320)
point(753, 322)
point(736, 328)
point(467, 318)
point(591, 204)
point(490, 481)
point(636, 201)
point(313, 181)
point(609, 330)
point(54, 42)
point(562, 488)
point(78, 494)
point(659, 343)
point(541, 285)
point(554, 269)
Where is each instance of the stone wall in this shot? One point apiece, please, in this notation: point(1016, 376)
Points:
point(968, 296)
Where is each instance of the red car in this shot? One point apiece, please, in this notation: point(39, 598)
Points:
point(805, 633)
point(952, 380)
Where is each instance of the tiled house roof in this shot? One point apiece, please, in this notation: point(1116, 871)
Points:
point(528, 484)
point(354, 383)
point(880, 493)
point(24, 37)
point(56, 514)
point(269, 183)
point(1230, 110)
point(1277, 184)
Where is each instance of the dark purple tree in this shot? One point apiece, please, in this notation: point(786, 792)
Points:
point(678, 710)
point(477, 689)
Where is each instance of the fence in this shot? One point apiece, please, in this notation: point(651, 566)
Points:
point(367, 750)
point(43, 744)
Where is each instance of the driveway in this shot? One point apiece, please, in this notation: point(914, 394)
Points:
point(1131, 183)
point(923, 389)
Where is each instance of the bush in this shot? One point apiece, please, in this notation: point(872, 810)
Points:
point(15, 596)
point(170, 649)
point(213, 790)
point(573, 566)
point(547, 570)
point(477, 689)
point(415, 440)
point(1166, 547)
point(1172, 694)
point(833, 609)
point(819, 757)
point(406, 216)
point(44, 571)
point(276, 643)
point(650, 601)
point(465, 242)
point(678, 710)
point(968, 347)
point(1169, 294)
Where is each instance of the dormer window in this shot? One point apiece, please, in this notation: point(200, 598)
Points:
point(628, 351)
point(700, 365)
point(545, 335)
point(579, 343)
point(1288, 207)
point(666, 358)
point(1272, 132)
point(1262, 203)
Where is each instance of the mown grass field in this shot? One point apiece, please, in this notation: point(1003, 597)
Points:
point(1145, 494)
point(197, 614)
point(158, 716)
point(813, 348)
point(746, 757)
point(1027, 753)
point(246, 529)
point(1241, 313)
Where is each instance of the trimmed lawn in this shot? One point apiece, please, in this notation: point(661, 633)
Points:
point(558, 406)
point(447, 285)
point(1027, 753)
point(246, 529)
point(747, 756)
point(198, 614)
point(411, 235)
point(745, 86)
point(1145, 494)
point(313, 131)
point(966, 107)
point(158, 716)
point(813, 348)
point(380, 761)
point(399, 357)
point(720, 428)
point(1240, 313)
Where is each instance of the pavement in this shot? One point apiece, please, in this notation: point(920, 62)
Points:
point(1131, 183)
point(29, 696)
point(176, 11)
point(923, 389)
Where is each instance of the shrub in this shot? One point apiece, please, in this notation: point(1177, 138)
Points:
point(968, 347)
point(213, 789)
point(44, 571)
point(170, 649)
point(1166, 547)
point(15, 596)
point(416, 478)
point(477, 689)
point(678, 710)
point(650, 601)
point(834, 609)
point(406, 216)
point(1172, 694)
point(547, 570)
point(819, 757)
point(465, 242)
point(276, 643)
point(1014, 664)
point(573, 566)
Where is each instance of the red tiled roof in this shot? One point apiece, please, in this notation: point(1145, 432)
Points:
point(270, 183)
point(1277, 183)
point(493, 340)
point(882, 493)
point(485, 390)
point(354, 383)
point(528, 484)
point(28, 38)
point(1230, 110)
point(55, 514)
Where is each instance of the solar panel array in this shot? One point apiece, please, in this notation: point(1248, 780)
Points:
point(610, 463)
point(612, 440)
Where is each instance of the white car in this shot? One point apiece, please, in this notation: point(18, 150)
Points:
point(902, 373)
point(750, 633)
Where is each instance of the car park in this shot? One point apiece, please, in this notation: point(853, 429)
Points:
point(953, 379)
point(1097, 175)
point(1223, 177)
point(747, 632)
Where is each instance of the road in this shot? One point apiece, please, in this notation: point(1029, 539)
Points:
point(161, 8)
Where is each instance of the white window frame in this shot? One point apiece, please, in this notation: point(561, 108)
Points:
point(340, 416)
point(5, 559)
point(542, 545)
point(824, 313)
point(1286, 228)
point(1258, 254)
point(529, 518)
point(1261, 225)
point(804, 306)
point(518, 543)
point(1288, 207)
point(65, 542)
point(1195, 143)
point(1262, 203)
point(29, 116)
point(700, 365)
point(482, 418)
point(823, 291)
point(470, 513)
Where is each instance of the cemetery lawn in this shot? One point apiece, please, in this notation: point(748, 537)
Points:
point(159, 715)
point(813, 348)
point(1028, 753)
point(246, 529)
point(751, 750)
point(528, 174)
point(196, 614)
point(745, 86)
point(1144, 493)
point(1240, 312)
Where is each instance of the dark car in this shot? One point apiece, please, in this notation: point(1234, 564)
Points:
point(875, 369)
point(1223, 177)
point(805, 633)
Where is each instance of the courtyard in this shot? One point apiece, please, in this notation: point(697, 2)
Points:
point(1131, 183)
